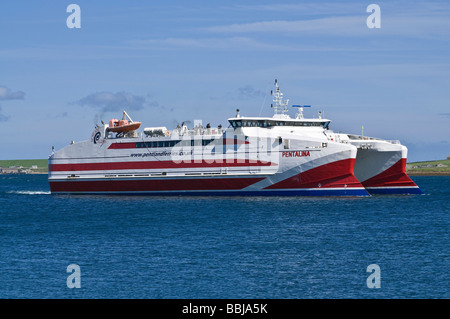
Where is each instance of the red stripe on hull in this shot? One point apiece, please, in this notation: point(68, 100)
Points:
point(394, 176)
point(119, 146)
point(336, 174)
point(152, 185)
point(105, 166)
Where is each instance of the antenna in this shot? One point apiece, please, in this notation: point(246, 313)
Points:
point(279, 106)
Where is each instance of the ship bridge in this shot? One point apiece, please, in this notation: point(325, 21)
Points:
point(273, 122)
point(280, 117)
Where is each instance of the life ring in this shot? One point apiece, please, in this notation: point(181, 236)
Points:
point(167, 133)
point(97, 137)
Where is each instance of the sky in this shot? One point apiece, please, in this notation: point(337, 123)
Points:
point(166, 62)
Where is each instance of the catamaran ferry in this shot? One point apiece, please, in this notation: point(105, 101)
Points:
point(276, 155)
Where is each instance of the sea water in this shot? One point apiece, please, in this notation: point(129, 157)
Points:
point(223, 247)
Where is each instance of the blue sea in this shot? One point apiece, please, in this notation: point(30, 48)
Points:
point(223, 247)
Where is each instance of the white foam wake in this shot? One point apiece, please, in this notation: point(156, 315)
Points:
point(29, 192)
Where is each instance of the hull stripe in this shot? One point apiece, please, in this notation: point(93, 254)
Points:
point(107, 166)
point(291, 192)
point(151, 185)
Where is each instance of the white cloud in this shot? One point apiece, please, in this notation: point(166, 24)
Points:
point(7, 94)
point(330, 25)
point(111, 102)
point(248, 92)
point(400, 18)
point(217, 43)
point(3, 118)
point(304, 8)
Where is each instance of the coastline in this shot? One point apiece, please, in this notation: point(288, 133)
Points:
point(30, 173)
point(428, 173)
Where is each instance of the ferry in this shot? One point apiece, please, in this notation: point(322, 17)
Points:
point(256, 156)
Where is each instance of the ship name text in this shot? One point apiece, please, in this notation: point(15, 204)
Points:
point(296, 154)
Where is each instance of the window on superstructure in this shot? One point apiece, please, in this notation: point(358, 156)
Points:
point(206, 142)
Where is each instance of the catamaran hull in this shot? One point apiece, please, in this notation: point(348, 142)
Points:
point(192, 187)
point(381, 168)
point(319, 172)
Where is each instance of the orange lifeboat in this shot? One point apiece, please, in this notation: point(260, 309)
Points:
point(122, 126)
point(126, 124)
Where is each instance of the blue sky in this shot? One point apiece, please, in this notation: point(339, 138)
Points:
point(171, 61)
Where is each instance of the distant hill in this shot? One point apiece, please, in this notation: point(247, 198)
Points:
point(28, 165)
point(439, 167)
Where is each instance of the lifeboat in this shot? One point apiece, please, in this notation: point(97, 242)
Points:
point(122, 126)
point(126, 124)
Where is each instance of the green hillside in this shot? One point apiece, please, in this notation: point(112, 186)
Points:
point(430, 167)
point(42, 164)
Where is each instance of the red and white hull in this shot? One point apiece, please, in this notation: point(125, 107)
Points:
point(232, 164)
point(381, 167)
